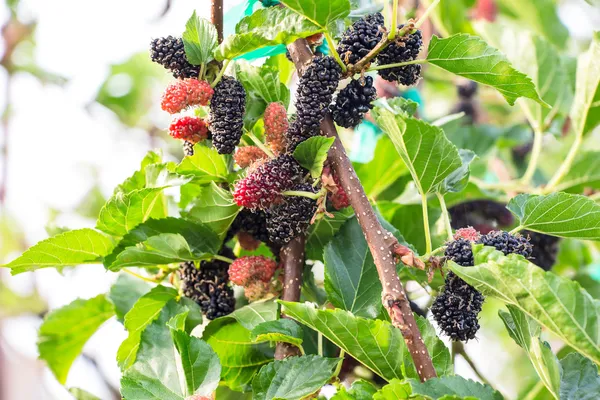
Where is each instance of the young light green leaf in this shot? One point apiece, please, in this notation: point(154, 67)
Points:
point(557, 303)
point(265, 27)
point(281, 330)
point(81, 394)
point(459, 178)
point(206, 165)
point(65, 331)
point(256, 313)
point(444, 388)
point(143, 312)
point(138, 179)
point(321, 13)
point(240, 357)
point(322, 231)
point(398, 105)
point(200, 363)
point(215, 208)
point(359, 390)
point(312, 153)
point(580, 379)
point(471, 57)
point(81, 246)
point(585, 112)
point(125, 292)
point(526, 333)
point(428, 154)
point(294, 378)
point(558, 214)
point(585, 173)
point(262, 82)
point(199, 40)
point(375, 343)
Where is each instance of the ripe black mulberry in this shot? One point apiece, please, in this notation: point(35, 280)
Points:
point(353, 102)
point(508, 243)
point(227, 108)
point(170, 53)
point(405, 48)
point(544, 249)
point(292, 217)
point(360, 38)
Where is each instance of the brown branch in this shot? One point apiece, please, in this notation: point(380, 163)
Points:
point(216, 16)
point(381, 243)
point(292, 258)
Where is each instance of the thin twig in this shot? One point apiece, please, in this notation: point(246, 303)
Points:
point(381, 242)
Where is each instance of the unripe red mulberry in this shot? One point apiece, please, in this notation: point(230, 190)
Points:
point(468, 233)
point(191, 129)
point(186, 93)
point(251, 268)
point(339, 199)
point(247, 155)
point(263, 186)
point(257, 290)
point(276, 125)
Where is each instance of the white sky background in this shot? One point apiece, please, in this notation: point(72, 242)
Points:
point(54, 141)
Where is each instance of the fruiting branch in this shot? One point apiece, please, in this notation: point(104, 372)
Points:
point(216, 16)
point(381, 242)
point(292, 259)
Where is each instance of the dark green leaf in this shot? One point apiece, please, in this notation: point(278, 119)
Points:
point(199, 40)
point(580, 379)
point(262, 82)
point(471, 57)
point(293, 378)
point(81, 246)
point(281, 330)
point(215, 208)
point(321, 13)
point(557, 303)
point(65, 331)
point(312, 153)
point(125, 292)
point(322, 231)
point(558, 214)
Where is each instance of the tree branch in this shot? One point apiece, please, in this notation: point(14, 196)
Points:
point(216, 16)
point(292, 258)
point(381, 242)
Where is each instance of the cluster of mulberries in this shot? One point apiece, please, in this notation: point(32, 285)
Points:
point(404, 48)
point(170, 53)
point(545, 249)
point(353, 102)
point(209, 286)
point(456, 308)
point(292, 216)
point(227, 109)
point(315, 93)
point(483, 215)
point(359, 39)
point(263, 186)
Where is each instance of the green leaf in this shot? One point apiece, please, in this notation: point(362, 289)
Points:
point(240, 357)
point(162, 249)
point(585, 173)
point(215, 208)
point(65, 331)
point(199, 40)
point(585, 111)
point(123, 212)
point(206, 165)
point(359, 390)
point(471, 57)
point(155, 374)
point(540, 16)
point(351, 279)
point(81, 394)
point(558, 214)
point(265, 27)
point(312, 153)
point(428, 154)
point(321, 13)
point(448, 387)
point(453, 17)
point(322, 231)
point(125, 292)
point(557, 303)
point(526, 333)
point(293, 378)
point(256, 313)
point(281, 330)
point(262, 82)
point(81, 246)
point(375, 343)
point(199, 239)
point(580, 379)
point(200, 363)
point(459, 178)
point(143, 313)
point(138, 179)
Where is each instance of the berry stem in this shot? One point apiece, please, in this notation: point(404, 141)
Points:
point(426, 14)
point(380, 241)
point(445, 215)
point(144, 278)
point(333, 51)
point(260, 144)
point(222, 258)
point(428, 246)
point(338, 368)
point(202, 69)
point(310, 195)
point(221, 73)
point(566, 165)
point(394, 25)
point(402, 64)
point(517, 229)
